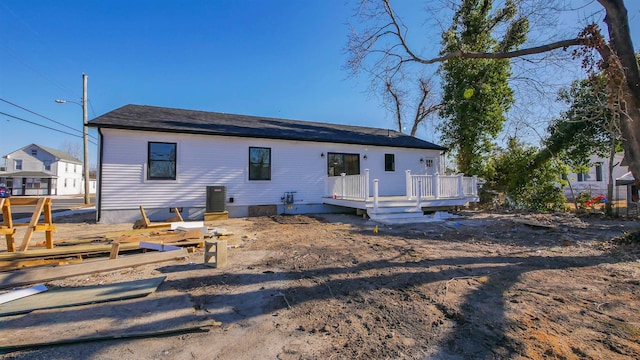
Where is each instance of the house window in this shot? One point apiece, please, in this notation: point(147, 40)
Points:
point(162, 161)
point(259, 163)
point(338, 163)
point(66, 167)
point(17, 164)
point(47, 165)
point(74, 183)
point(582, 176)
point(65, 182)
point(428, 163)
point(34, 152)
point(75, 168)
point(599, 172)
point(32, 183)
point(389, 162)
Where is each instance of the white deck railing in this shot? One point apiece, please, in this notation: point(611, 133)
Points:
point(425, 187)
point(470, 185)
point(351, 187)
point(440, 186)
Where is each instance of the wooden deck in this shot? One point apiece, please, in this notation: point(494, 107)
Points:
point(398, 201)
point(423, 192)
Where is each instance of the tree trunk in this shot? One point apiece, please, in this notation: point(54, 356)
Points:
point(620, 39)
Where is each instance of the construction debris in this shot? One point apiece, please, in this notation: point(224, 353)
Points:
point(144, 223)
point(37, 275)
point(81, 295)
point(19, 294)
point(42, 205)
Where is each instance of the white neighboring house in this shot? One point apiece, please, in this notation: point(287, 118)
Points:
point(200, 162)
point(596, 179)
point(35, 170)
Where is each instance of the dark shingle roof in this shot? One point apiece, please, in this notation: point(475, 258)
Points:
point(151, 118)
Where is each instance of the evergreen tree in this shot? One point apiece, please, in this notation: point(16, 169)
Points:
point(476, 93)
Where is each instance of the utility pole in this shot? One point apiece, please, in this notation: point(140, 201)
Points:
point(85, 139)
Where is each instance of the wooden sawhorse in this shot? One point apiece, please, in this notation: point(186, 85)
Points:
point(8, 228)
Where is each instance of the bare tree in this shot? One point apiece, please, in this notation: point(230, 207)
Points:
point(389, 43)
point(71, 148)
point(396, 101)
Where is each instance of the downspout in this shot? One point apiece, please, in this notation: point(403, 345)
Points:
point(99, 177)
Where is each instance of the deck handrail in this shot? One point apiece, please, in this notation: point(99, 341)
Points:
point(345, 186)
point(438, 186)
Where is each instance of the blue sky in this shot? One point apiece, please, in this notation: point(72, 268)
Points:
point(278, 58)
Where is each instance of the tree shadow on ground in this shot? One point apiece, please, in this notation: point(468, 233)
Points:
point(473, 337)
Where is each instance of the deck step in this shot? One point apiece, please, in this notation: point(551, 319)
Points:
point(396, 212)
point(395, 209)
point(396, 216)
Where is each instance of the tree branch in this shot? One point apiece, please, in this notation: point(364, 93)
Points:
point(505, 55)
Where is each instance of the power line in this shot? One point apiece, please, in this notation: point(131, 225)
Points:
point(42, 116)
point(24, 63)
point(44, 126)
point(91, 106)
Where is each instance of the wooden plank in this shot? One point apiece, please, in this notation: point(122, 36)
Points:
point(65, 251)
point(37, 275)
point(115, 234)
point(171, 237)
point(48, 220)
point(134, 335)
point(20, 264)
point(32, 224)
point(177, 217)
point(71, 242)
point(19, 294)
point(15, 201)
point(47, 228)
point(144, 217)
point(82, 295)
point(115, 249)
point(7, 221)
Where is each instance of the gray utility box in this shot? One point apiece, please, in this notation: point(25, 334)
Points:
point(216, 198)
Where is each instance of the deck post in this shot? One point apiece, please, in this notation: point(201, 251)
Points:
point(419, 200)
point(366, 185)
point(344, 183)
point(408, 184)
point(375, 196)
point(436, 186)
point(460, 185)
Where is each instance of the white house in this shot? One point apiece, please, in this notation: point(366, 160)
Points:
point(200, 162)
point(595, 180)
point(37, 170)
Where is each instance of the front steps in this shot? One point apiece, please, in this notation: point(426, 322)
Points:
point(390, 215)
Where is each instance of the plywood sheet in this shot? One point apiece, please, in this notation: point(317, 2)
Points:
point(161, 311)
point(82, 295)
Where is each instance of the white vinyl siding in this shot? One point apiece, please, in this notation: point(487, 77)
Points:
point(204, 160)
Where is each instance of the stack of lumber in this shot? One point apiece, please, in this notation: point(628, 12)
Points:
point(111, 244)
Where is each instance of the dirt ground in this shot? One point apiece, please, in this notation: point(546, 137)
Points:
point(479, 286)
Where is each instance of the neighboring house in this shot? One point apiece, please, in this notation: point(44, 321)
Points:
point(200, 162)
point(36, 170)
point(594, 181)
